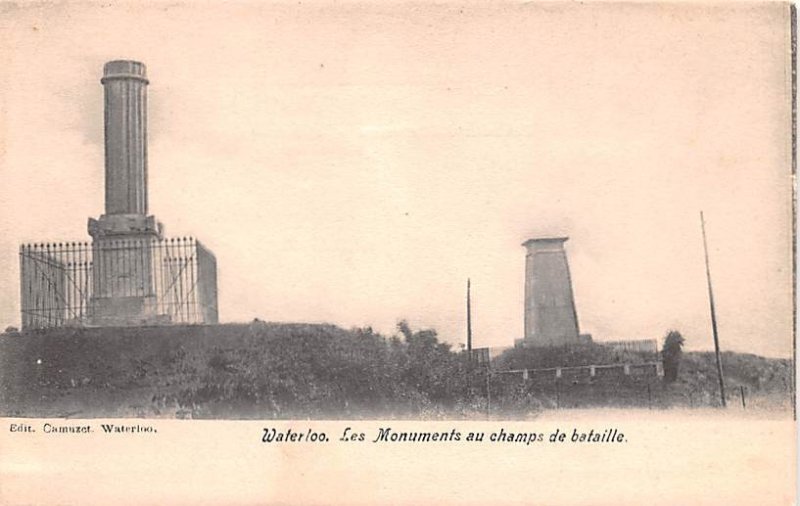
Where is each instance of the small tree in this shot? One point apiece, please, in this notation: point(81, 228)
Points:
point(671, 354)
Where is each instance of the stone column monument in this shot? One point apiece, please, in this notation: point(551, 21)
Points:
point(550, 316)
point(130, 274)
point(121, 238)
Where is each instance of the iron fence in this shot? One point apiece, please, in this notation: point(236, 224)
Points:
point(110, 282)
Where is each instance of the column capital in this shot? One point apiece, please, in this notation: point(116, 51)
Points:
point(124, 69)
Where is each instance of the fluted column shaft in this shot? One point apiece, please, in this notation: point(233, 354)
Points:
point(125, 85)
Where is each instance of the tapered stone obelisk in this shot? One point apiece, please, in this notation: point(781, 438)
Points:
point(121, 238)
point(550, 316)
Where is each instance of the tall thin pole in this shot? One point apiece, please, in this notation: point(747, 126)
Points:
point(469, 341)
point(713, 315)
point(488, 394)
point(558, 395)
point(469, 322)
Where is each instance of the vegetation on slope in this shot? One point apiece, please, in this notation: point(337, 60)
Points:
point(268, 371)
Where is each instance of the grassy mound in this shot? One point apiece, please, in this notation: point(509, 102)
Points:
point(258, 370)
point(290, 371)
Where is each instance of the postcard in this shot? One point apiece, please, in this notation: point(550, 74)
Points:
point(397, 253)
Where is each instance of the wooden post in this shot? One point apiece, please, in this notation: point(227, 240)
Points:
point(713, 316)
point(558, 396)
point(741, 389)
point(488, 396)
point(469, 323)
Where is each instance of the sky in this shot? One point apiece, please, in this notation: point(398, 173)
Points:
point(355, 163)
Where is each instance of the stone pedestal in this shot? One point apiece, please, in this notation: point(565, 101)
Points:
point(122, 269)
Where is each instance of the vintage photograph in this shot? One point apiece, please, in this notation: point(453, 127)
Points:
point(411, 212)
point(424, 213)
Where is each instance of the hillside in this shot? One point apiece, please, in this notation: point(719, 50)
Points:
point(767, 382)
point(271, 371)
point(258, 370)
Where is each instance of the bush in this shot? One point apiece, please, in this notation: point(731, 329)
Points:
point(671, 354)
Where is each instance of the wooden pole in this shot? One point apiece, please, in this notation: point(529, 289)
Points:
point(469, 341)
point(713, 315)
point(558, 396)
point(741, 389)
point(469, 322)
point(488, 395)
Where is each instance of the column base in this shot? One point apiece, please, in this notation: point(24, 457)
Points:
point(125, 311)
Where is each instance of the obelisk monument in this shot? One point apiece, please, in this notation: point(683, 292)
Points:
point(550, 316)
